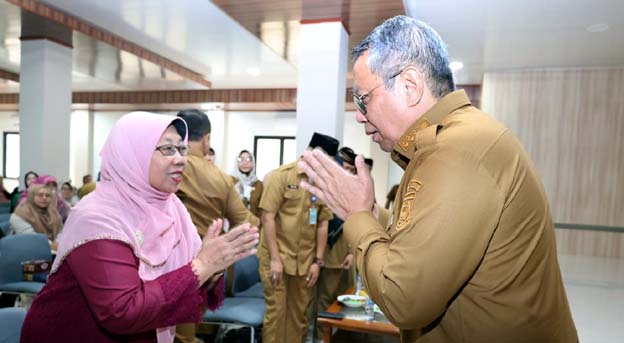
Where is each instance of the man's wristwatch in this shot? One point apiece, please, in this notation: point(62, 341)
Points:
point(319, 261)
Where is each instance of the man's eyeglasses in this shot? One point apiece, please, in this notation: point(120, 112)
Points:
point(359, 99)
point(170, 149)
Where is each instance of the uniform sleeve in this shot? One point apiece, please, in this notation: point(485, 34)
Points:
point(236, 212)
point(325, 214)
point(122, 302)
point(440, 240)
point(273, 193)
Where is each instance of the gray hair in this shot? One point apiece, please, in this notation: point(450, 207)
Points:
point(402, 41)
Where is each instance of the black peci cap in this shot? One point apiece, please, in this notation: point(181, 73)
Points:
point(327, 143)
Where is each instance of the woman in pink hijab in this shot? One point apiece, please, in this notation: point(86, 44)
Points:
point(130, 264)
point(49, 181)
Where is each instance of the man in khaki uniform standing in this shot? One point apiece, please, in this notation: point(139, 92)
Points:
point(470, 255)
point(292, 245)
point(206, 192)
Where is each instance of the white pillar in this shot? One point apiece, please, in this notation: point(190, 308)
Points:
point(45, 108)
point(321, 84)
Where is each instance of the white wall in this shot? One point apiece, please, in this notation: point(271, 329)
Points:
point(242, 127)
point(78, 147)
point(231, 133)
point(9, 122)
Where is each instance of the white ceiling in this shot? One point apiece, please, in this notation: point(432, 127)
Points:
point(489, 35)
point(194, 33)
point(485, 35)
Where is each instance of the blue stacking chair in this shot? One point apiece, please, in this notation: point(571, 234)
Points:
point(246, 282)
point(245, 308)
point(11, 320)
point(5, 207)
point(16, 249)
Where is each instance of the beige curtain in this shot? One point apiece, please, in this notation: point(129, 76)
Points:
point(571, 122)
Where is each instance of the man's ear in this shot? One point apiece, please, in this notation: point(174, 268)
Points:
point(206, 142)
point(414, 85)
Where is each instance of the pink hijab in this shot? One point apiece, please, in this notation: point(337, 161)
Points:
point(125, 207)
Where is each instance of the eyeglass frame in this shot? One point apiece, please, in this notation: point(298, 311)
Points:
point(358, 100)
point(183, 150)
point(245, 159)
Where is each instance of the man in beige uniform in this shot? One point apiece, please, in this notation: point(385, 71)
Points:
point(292, 244)
point(471, 254)
point(206, 192)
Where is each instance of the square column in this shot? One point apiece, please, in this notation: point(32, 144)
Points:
point(321, 84)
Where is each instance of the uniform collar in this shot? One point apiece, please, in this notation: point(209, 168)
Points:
point(406, 146)
point(194, 153)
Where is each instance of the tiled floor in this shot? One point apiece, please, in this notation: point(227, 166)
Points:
point(595, 289)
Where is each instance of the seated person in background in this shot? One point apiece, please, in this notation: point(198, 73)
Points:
point(87, 179)
point(86, 189)
point(68, 194)
point(50, 181)
point(29, 178)
point(37, 214)
point(246, 182)
point(210, 156)
point(130, 264)
point(4, 195)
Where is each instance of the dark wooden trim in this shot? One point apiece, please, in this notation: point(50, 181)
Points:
point(9, 75)
point(109, 38)
point(279, 95)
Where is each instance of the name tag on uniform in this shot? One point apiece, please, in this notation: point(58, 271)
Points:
point(313, 216)
point(293, 187)
point(313, 212)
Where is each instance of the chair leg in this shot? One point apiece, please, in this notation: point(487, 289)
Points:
point(253, 331)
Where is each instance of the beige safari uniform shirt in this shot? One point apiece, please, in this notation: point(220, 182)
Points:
point(208, 194)
point(335, 255)
point(471, 254)
point(296, 238)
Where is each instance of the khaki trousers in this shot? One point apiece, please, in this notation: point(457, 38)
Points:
point(185, 333)
point(286, 305)
point(332, 282)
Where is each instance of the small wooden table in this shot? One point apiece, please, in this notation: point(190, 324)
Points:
point(373, 327)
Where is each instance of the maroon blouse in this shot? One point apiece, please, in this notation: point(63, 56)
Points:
point(97, 296)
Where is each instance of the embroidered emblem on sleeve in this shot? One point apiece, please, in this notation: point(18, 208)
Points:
point(405, 213)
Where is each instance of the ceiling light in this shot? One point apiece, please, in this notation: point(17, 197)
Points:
point(253, 71)
point(597, 28)
point(456, 65)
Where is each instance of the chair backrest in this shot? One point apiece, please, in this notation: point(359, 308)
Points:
point(11, 320)
point(5, 207)
point(245, 273)
point(15, 249)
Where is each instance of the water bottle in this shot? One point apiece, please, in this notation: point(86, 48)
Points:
point(369, 310)
point(358, 285)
